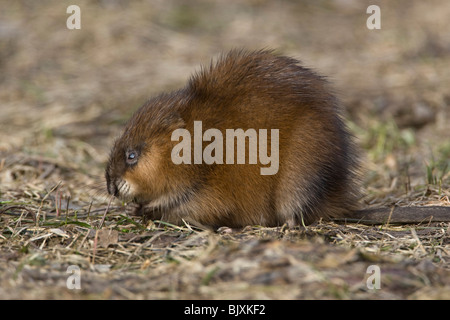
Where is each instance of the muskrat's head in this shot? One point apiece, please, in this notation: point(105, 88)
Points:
point(140, 167)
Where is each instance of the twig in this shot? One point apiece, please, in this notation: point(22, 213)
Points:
point(104, 215)
point(67, 208)
point(42, 202)
point(20, 207)
point(95, 247)
point(419, 243)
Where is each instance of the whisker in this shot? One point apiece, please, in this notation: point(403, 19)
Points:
point(97, 190)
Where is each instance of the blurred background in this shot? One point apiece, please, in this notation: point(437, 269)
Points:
point(65, 94)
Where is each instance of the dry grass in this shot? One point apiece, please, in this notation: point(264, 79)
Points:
point(65, 95)
point(127, 260)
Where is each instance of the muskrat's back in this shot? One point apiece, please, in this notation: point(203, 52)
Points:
point(279, 105)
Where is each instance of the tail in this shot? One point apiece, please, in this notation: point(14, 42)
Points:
point(398, 215)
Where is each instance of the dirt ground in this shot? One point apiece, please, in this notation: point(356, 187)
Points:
point(66, 94)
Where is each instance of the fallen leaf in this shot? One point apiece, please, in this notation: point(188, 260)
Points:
point(106, 237)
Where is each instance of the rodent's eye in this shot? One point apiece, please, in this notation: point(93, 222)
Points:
point(131, 157)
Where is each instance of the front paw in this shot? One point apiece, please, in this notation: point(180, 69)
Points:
point(134, 209)
point(144, 211)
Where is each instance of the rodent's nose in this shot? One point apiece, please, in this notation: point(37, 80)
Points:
point(112, 188)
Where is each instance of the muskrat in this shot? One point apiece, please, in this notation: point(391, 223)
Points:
point(201, 154)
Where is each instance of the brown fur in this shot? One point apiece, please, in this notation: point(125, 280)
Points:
point(317, 158)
